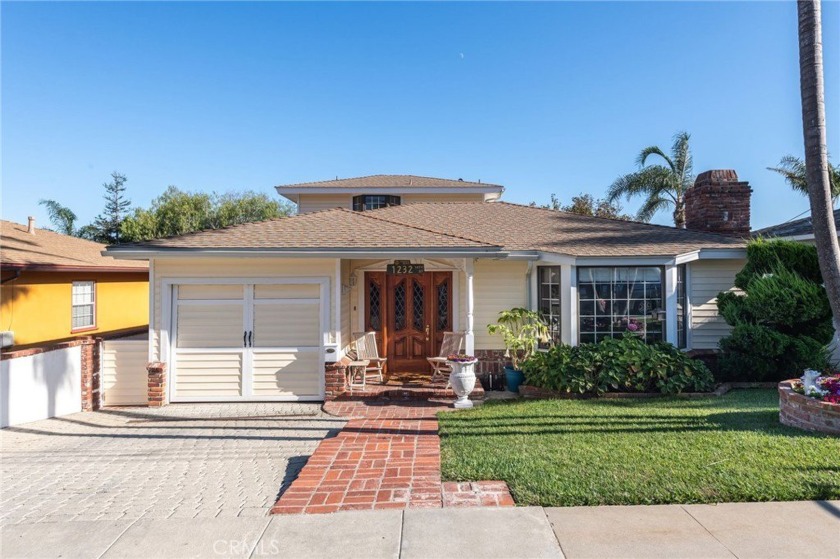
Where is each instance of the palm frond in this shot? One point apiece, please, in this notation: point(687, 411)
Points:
point(683, 161)
point(653, 150)
point(651, 206)
point(60, 216)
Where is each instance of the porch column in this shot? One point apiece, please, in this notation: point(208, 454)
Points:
point(470, 334)
point(671, 304)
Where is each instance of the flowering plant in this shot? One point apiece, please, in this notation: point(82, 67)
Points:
point(826, 388)
point(461, 358)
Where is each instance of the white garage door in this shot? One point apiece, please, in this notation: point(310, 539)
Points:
point(248, 342)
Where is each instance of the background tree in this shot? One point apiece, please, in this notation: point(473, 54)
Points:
point(62, 218)
point(662, 186)
point(588, 205)
point(176, 212)
point(793, 169)
point(106, 227)
point(812, 91)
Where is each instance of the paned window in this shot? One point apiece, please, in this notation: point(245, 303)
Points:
point(83, 305)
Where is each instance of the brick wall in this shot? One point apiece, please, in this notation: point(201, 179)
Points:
point(335, 380)
point(807, 413)
point(157, 384)
point(490, 361)
point(91, 359)
point(719, 203)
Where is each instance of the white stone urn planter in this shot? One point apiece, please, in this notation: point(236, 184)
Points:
point(462, 379)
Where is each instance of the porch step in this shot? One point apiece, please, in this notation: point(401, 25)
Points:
point(392, 392)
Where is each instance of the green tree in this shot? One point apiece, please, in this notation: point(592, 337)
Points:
point(106, 227)
point(62, 217)
point(588, 205)
point(176, 212)
point(793, 169)
point(663, 186)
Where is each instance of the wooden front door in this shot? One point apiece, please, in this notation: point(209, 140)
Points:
point(409, 314)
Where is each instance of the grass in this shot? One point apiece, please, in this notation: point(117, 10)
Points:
point(618, 452)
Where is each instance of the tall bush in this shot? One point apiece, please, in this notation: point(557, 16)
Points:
point(781, 320)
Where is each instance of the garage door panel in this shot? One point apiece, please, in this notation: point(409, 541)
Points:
point(279, 374)
point(208, 292)
point(210, 325)
point(287, 291)
point(208, 375)
point(287, 325)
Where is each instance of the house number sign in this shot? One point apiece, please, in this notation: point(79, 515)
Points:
point(405, 267)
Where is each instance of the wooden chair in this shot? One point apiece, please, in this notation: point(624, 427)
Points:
point(452, 342)
point(365, 345)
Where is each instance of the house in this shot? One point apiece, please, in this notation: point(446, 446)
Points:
point(260, 311)
point(56, 287)
point(800, 230)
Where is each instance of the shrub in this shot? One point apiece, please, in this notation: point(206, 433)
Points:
point(624, 364)
point(782, 320)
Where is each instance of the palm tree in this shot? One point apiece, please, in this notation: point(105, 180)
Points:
point(62, 217)
point(663, 186)
point(793, 169)
point(812, 90)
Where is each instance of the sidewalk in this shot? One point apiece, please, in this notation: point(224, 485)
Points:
point(746, 530)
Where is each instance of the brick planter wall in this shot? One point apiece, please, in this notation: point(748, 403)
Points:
point(810, 414)
point(157, 384)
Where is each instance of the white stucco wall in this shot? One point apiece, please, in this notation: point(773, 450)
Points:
point(39, 386)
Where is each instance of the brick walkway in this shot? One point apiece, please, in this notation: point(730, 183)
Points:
point(386, 457)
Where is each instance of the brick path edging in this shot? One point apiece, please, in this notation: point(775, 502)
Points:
point(803, 412)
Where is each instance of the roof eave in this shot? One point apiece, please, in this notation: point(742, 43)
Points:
point(65, 268)
point(334, 252)
point(288, 191)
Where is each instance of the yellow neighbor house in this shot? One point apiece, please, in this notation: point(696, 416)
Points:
point(55, 287)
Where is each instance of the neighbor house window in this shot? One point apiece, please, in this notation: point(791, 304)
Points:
point(615, 300)
point(374, 202)
point(682, 309)
point(84, 305)
point(548, 301)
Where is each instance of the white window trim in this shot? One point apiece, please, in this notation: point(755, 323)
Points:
point(92, 303)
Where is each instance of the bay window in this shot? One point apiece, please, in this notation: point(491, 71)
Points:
point(619, 299)
point(548, 299)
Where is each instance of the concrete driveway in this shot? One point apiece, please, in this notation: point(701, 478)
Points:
point(181, 461)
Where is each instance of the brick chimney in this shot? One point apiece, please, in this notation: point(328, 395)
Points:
point(719, 203)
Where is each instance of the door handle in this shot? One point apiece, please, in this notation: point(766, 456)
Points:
point(245, 339)
point(427, 332)
point(251, 338)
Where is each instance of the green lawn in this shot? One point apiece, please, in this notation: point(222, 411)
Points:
point(596, 452)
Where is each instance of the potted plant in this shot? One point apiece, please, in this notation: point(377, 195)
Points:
point(462, 377)
point(522, 331)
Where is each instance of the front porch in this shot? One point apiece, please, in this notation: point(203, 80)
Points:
point(397, 386)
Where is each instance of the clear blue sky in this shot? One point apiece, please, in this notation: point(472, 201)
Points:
point(541, 97)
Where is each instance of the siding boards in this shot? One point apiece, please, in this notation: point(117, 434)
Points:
point(499, 286)
point(708, 278)
point(124, 377)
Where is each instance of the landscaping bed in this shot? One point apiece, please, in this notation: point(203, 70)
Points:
point(641, 451)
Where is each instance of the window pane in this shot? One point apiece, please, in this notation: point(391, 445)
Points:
point(549, 299)
point(82, 297)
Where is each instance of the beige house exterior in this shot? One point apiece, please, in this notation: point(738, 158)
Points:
point(256, 312)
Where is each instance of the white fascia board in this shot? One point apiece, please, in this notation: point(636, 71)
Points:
point(293, 190)
point(291, 253)
point(625, 261)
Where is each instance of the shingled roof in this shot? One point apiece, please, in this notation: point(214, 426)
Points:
point(391, 181)
point(796, 228)
point(518, 227)
point(47, 250)
point(338, 228)
point(499, 226)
